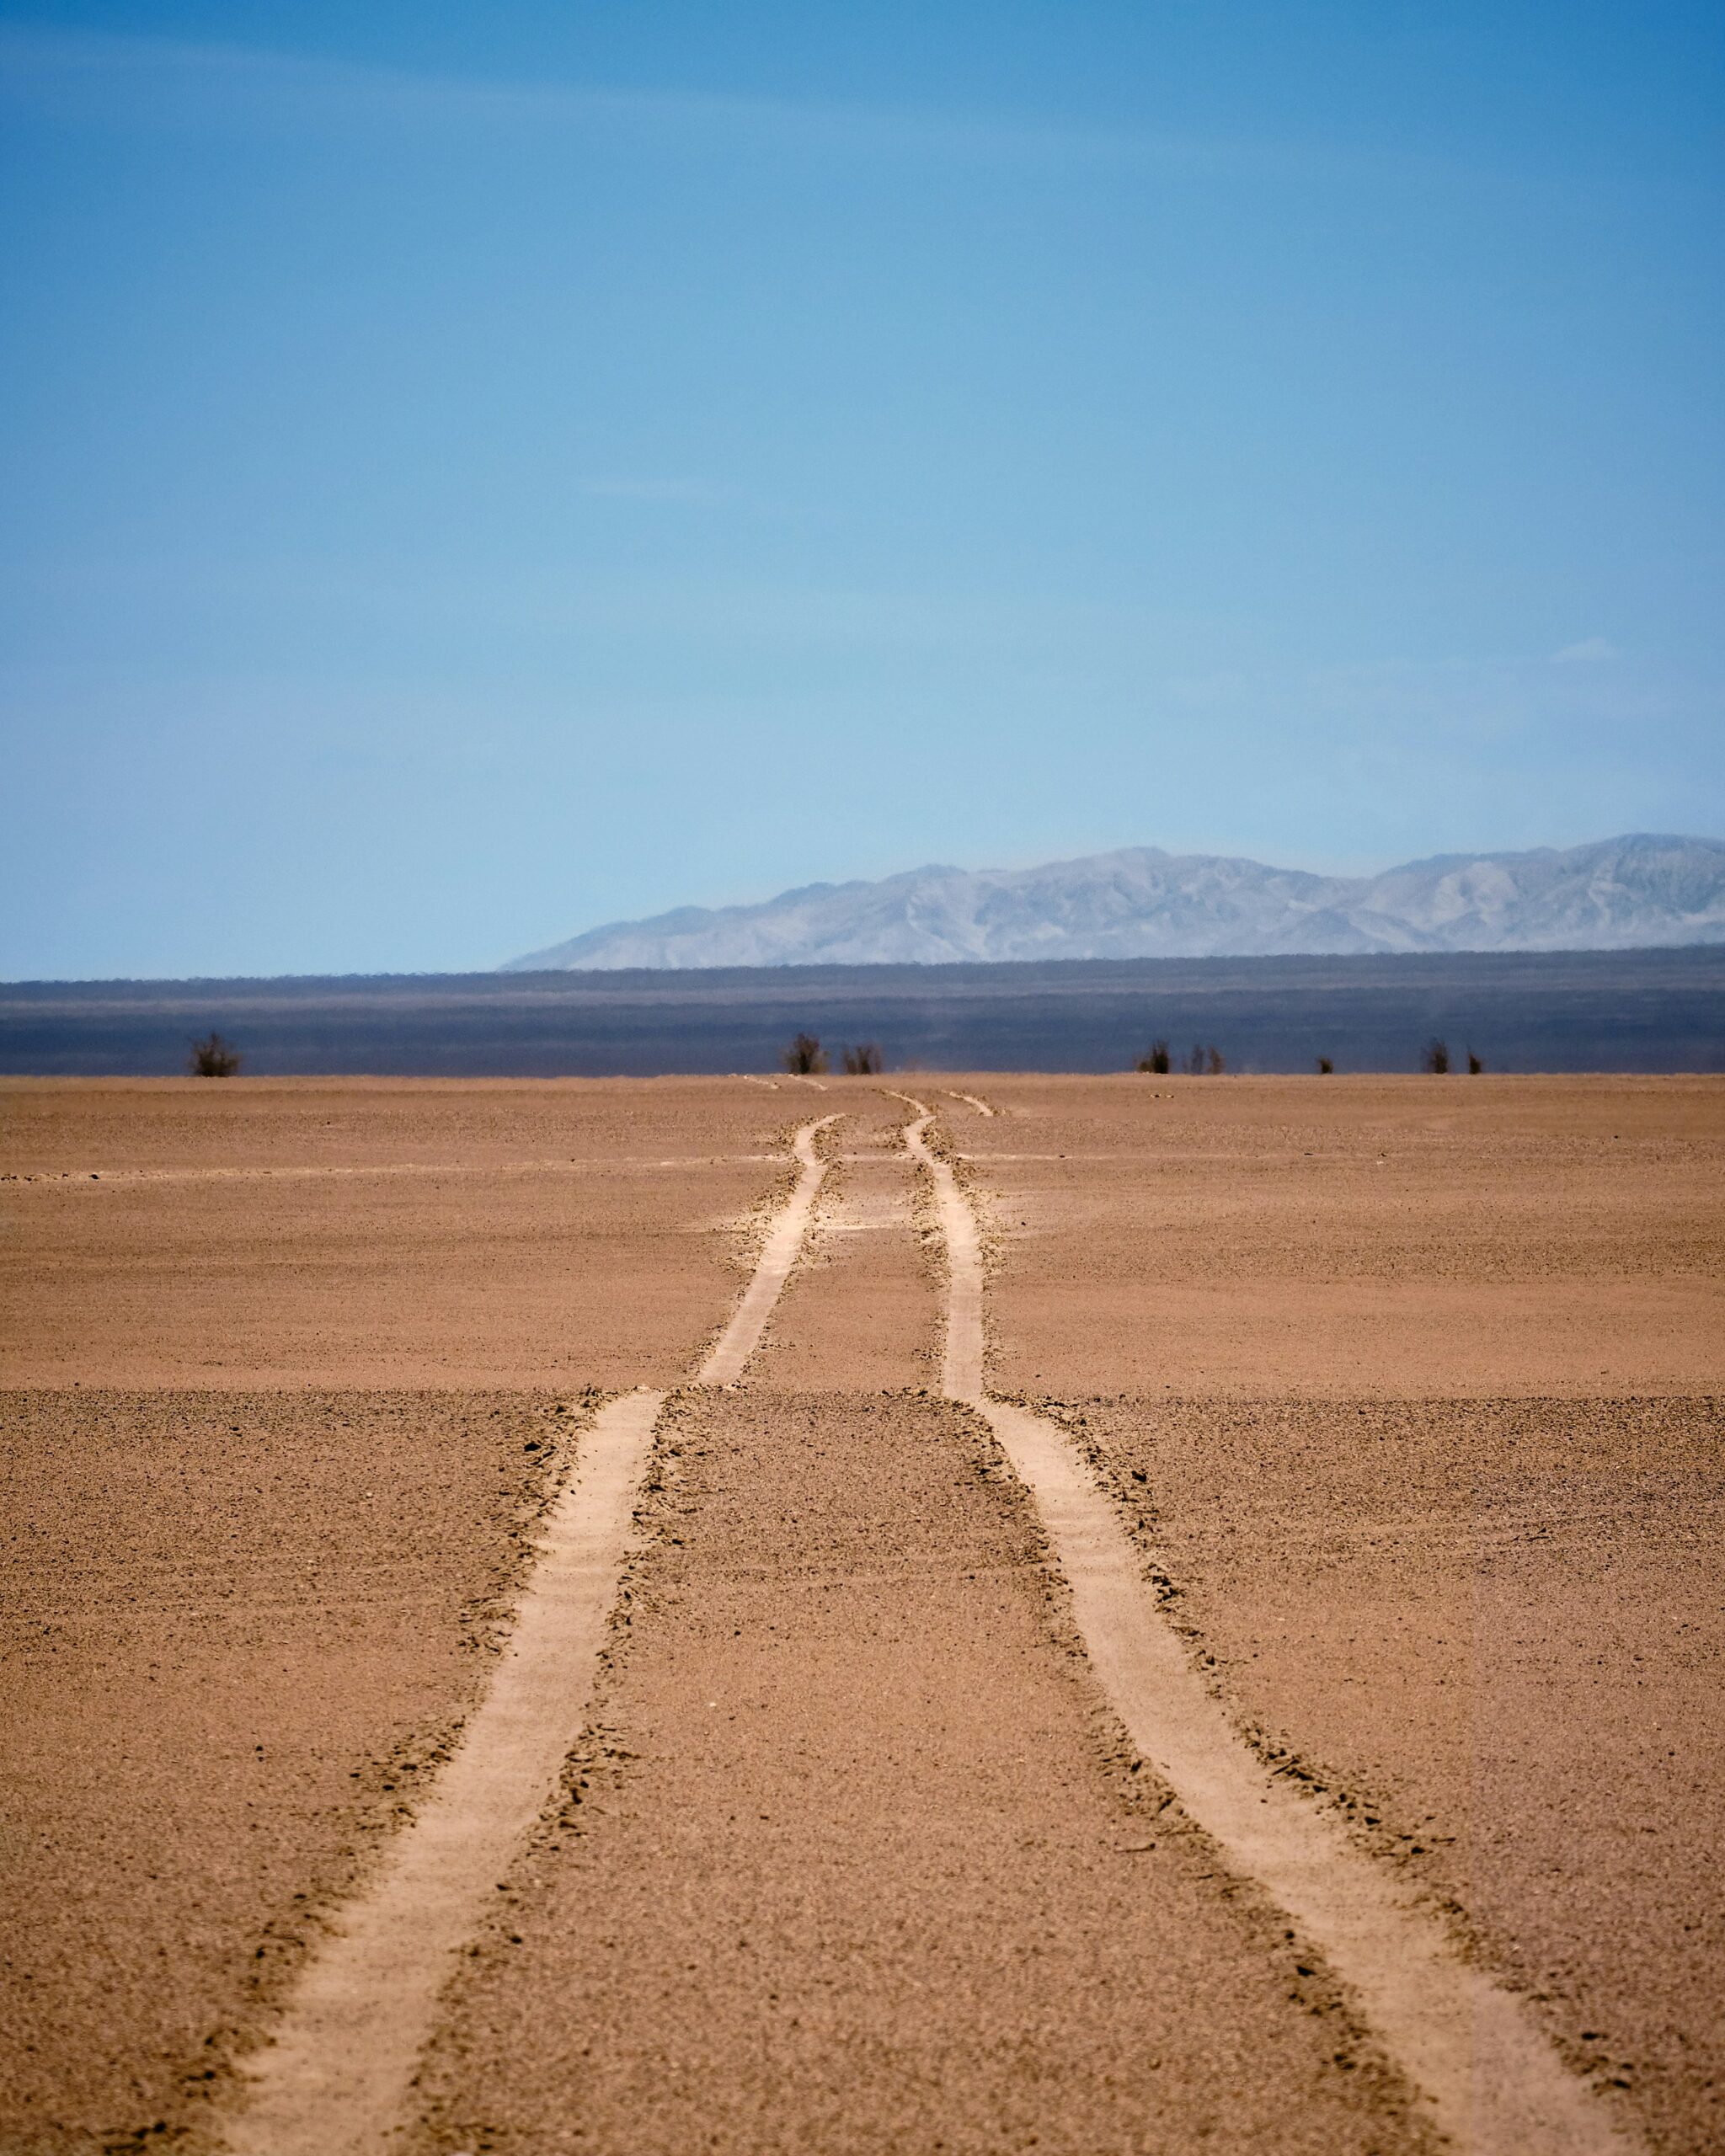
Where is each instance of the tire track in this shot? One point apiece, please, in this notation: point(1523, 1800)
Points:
point(1486, 2074)
point(337, 2079)
point(778, 1254)
point(122, 1178)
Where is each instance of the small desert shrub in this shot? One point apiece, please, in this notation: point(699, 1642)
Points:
point(1156, 1059)
point(212, 1057)
point(1436, 1061)
point(864, 1062)
point(1474, 1065)
point(805, 1057)
point(1326, 1066)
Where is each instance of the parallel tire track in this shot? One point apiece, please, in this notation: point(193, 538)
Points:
point(336, 2080)
point(1484, 2072)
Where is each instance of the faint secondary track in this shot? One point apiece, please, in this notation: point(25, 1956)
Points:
point(125, 1178)
point(1487, 2077)
point(336, 2080)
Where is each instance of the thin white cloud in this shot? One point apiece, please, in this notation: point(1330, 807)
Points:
point(165, 81)
point(1589, 652)
point(144, 82)
point(82, 78)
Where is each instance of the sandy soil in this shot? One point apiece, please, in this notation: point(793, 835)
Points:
point(1490, 1621)
point(851, 1868)
point(1421, 1380)
point(239, 1632)
point(1410, 1237)
point(245, 1606)
point(371, 1232)
point(862, 1312)
point(1494, 1630)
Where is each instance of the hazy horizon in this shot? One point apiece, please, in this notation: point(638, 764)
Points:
point(701, 918)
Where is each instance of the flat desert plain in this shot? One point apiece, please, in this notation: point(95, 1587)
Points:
point(938, 1613)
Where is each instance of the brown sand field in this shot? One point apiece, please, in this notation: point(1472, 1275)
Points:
point(852, 1826)
point(377, 1232)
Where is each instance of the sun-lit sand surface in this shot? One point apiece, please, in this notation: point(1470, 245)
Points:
point(1408, 1391)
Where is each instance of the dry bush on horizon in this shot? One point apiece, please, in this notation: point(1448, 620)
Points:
point(214, 1057)
point(805, 1057)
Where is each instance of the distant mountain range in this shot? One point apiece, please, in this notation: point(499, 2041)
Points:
point(1616, 894)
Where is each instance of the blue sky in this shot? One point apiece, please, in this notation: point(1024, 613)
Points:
point(469, 474)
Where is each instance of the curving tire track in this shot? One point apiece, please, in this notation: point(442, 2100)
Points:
point(336, 2077)
point(784, 1240)
point(1486, 2074)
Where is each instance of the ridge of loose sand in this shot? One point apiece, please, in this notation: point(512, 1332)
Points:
point(1494, 2082)
point(335, 2076)
point(1490, 1634)
point(238, 1629)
